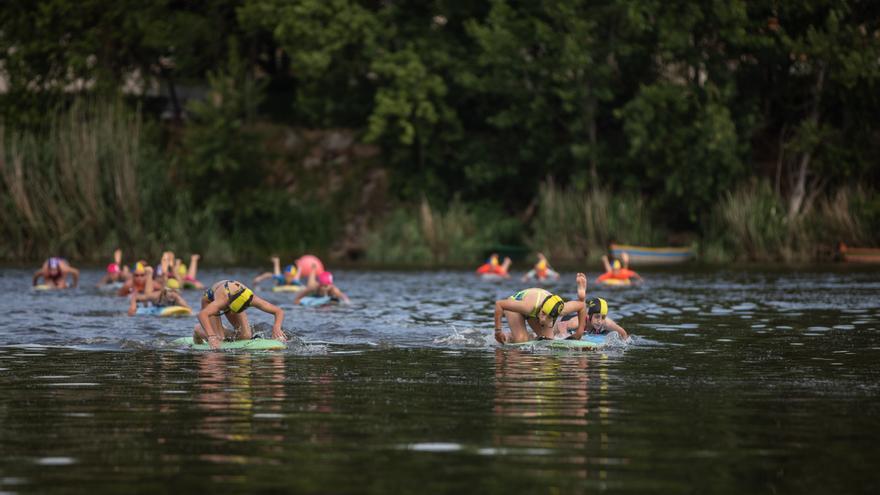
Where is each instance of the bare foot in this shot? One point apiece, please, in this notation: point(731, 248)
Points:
point(582, 286)
point(500, 337)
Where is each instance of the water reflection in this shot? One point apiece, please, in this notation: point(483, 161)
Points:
point(543, 409)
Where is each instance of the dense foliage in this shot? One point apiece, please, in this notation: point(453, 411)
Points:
point(740, 123)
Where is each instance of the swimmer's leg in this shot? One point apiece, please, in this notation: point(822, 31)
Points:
point(200, 336)
point(582, 287)
point(517, 324)
point(241, 329)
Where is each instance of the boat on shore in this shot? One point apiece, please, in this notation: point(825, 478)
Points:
point(643, 255)
point(859, 254)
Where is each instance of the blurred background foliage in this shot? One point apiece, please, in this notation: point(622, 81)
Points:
point(432, 132)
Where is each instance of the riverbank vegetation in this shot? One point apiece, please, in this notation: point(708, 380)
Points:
point(431, 133)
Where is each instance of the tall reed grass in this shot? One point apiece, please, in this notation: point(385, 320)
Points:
point(573, 225)
point(69, 189)
point(751, 222)
point(422, 235)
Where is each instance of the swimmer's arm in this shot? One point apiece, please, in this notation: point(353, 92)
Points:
point(530, 274)
point(148, 285)
point(581, 309)
point(340, 295)
point(37, 275)
point(75, 274)
point(509, 305)
point(263, 276)
point(204, 317)
point(303, 293)
point(278, 313)
point(606, 263)
point(180, 300)
point(611, 325)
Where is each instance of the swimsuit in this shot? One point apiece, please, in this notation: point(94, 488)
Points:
point(209, 295)
point(519, 296)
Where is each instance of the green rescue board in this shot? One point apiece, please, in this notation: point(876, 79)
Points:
point(587, 342)
point(251, 344)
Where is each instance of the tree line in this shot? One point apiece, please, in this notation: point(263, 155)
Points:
point(679, 106)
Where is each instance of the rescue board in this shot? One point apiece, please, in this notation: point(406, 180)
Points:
point(586, 342)
point(250, 344)
point(287, 288)
point(164, 311)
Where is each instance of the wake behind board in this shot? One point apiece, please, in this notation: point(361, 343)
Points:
point(317, 300)
point(287, 288)
point(164, 311)
point(250, 344)
point(586, 342)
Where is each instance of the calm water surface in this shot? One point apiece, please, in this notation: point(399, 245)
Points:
point(734, 382)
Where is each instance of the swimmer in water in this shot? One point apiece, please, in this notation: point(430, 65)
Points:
point(597, 313)
point(493, 268)
point(116, 272)
point(54, 273)
point(321, 286)
point(232, 298)
point(288, 276)
point(186, 276)
point(541, 271)
point(615, 270)
point(161, 297)
point(540, 309)
point(136, 283)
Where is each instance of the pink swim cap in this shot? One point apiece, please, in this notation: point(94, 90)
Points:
point(325, 278)
point(112, 268)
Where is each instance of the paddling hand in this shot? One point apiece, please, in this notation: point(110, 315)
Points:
point(279, 335)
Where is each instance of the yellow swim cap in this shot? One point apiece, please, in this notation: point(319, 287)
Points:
point(181, 270)
point(172, 283)
point(542, 265)
point(552, 306)
point(597, 305)
point(240, 301)
point(616, 265)
point(139, 268)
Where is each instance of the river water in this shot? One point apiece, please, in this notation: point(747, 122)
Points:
point(735, 381)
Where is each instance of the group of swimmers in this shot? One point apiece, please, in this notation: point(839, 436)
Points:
point(617, 271)
point(550, 317)
point(145, 285)
point(547, 314)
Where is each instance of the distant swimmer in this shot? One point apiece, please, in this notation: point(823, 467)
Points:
point(492, 269)
point(540, 309)
point(617, 273)
point(232, 298)
point(597, 313)
point(187, 277)
point(159, 297)
point(136, 282)
point(322, 286)
point(288, 276)
point(116, 272)
point(541, 271)
point(54, 273)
